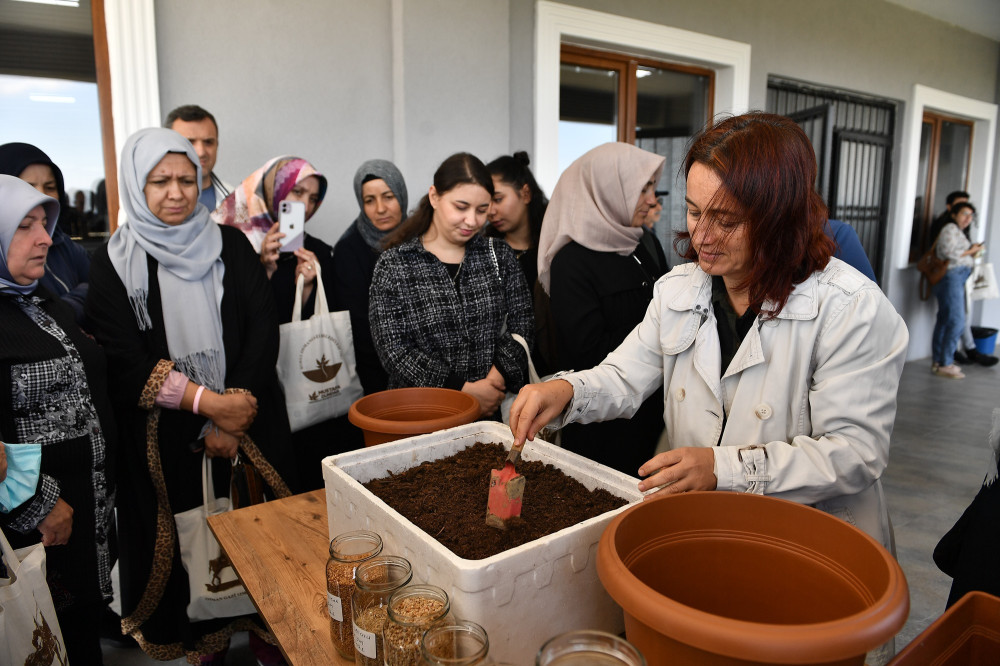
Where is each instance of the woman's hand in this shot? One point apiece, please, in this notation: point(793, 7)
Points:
point(487, 393)
point(270, 249)
point(306, 267)
point(684, 469)
point(973, 249)
point(58, 525)
point(536, 405)
point(232, 412)
point(221, 444)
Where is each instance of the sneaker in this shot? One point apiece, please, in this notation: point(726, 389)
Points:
point(986, 360)
point(934, 367)
point(964, 357)
point(950, 371)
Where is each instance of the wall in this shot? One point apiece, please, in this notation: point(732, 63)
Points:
point(316, 79)
point(415, 80)
point(867, 46)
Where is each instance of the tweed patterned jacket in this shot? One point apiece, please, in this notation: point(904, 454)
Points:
point(428, 333)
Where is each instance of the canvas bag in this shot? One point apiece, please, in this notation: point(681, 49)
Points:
point(316, 365)
point(29, 629)
point(215, 589)
point(983, 283)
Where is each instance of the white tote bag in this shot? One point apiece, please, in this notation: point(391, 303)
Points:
point(215, 589)
point(316, 365)
point(983, 283)
point(29, 629)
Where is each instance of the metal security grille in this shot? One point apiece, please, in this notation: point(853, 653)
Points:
point(853, 139)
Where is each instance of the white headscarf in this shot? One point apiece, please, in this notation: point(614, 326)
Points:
point(190, 268)
point(17, 199)
point(594, 201)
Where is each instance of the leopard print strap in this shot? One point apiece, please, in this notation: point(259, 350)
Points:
point(267, 471)
point(163, 546)
point(147, 399)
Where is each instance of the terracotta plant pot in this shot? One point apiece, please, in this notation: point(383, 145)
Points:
point(397, 413)
point(967, 634)
point(730, 578)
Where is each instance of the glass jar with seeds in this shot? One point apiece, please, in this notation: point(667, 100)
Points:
point(455, 643)
point(412, 611)
point(374, 582)
point(347, 551)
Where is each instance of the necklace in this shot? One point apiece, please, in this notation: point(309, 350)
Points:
point(454, 279)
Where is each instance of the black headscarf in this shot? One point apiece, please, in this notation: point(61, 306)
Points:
point(16, 157)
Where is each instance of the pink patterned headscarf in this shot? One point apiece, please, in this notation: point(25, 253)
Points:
point(252, 206)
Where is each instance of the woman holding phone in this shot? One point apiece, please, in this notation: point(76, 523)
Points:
point(255, 208)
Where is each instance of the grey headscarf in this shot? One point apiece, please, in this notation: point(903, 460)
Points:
point(190, 268)
point(17, 199)
point(388, 172)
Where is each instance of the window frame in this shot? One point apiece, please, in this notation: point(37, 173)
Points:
point(626, 65)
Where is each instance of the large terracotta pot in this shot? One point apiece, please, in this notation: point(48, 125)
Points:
point(728, 578)
point(397, 413)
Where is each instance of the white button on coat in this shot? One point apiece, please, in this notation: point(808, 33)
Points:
point(763, 412)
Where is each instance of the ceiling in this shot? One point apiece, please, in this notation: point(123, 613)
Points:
point(979, 16)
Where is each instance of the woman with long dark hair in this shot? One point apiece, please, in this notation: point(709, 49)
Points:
point(952, 245)
point(779, 364)
point(518, 210)
point(445, 299)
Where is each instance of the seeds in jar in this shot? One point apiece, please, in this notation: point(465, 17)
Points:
point(340, 589)
point(402, 641)
point(372, 621)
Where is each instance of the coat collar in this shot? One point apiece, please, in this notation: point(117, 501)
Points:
point(695, 292)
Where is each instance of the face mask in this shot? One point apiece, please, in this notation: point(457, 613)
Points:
point(23, 464)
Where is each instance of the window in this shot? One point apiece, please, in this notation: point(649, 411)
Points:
point(945, 151)
point(656, 105)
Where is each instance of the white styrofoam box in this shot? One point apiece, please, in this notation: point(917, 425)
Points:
point(523, 596)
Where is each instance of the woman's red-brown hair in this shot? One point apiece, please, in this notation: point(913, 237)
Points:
point(768, 168)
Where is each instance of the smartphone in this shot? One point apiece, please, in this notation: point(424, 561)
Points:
point(292, 223)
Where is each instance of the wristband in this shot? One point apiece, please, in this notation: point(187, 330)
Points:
point(197, 399)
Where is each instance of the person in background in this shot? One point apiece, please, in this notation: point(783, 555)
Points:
point(199, 127)
point(54, 392)
point(518, 210)
point(956, 197)
point(779, 364)
point(445, 299)
point(966, 352)
point(954, 246)
point(253, 208)
point(599, 274)
point(849, 248)
point(67, 267)
point(382, 198)
point(185, 314)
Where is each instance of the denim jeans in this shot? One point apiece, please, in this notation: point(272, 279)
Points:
point(950, 294)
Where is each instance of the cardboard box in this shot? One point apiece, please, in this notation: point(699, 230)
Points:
point(523, 596)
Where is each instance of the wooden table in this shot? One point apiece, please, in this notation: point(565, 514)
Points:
point(279, 550)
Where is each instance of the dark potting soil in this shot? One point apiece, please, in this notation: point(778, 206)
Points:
point(447, 499)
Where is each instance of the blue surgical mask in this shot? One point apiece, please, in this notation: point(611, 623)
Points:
point(24, 462)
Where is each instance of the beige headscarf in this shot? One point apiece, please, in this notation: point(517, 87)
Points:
point(594, 201)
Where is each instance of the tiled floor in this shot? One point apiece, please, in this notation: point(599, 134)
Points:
point(936, 465)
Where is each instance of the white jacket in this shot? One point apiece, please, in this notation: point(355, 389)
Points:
point(810, 395)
